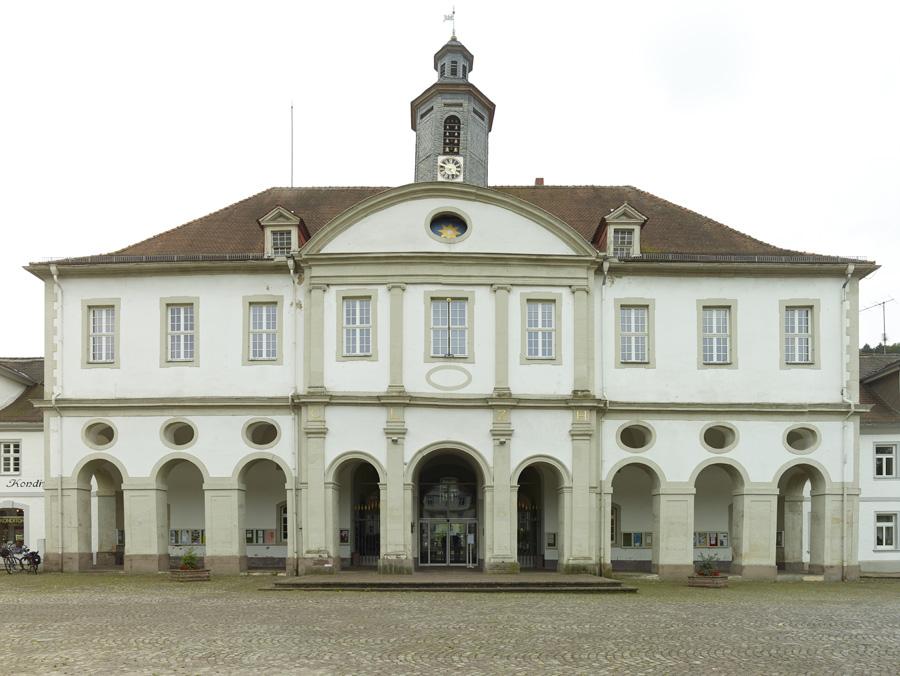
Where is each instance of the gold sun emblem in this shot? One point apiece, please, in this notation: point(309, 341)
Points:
point(448, 231)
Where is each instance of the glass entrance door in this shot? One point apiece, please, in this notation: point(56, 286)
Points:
point(448, 543)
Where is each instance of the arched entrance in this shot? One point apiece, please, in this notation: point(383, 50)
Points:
point(185, 509)
point(715, 531)
point(539, 512)
point(449, 502)
point(12, 525)
point(357, 494)
point(100, 516)
point(802, 520)
point(634, 523)
point(266, 519)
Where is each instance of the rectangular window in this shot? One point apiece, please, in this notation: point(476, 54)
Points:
point(180, 332)
point(798, 336)
point(357, 327)
point(10, 457)
point(540, 329)
point(885, 531)
point(634, 333)
point(886, 462)
point(623, 242)
point(716, 324)
point(449, 327)
point(454, 69)
point(281, 242)
point(263, 331)
point(283, 523)
point(102, 334)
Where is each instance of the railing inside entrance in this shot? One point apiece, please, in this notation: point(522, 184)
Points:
point(529, 539)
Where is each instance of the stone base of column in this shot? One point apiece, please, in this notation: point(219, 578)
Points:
point(501, 566)
point(321, 564)
point(754, 572)
point(225, 565)
point(50, 562)
point(606, 569)
point(146, 563)
point(290, 566)
point(674, 571)
point(106, 560)
point(77, 562)
point(580, 567)
point(830, 573)
point(395, 565)
point(795, 567)
point(851, 574)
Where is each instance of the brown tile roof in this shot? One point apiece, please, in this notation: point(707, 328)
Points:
point(670, 228)
point(871, 364)
point(30, 367)
point(21, 410)
point(881, 412)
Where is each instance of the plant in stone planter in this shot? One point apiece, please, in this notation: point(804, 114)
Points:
point(707, 573)
point(189, 560)
point(707, 565)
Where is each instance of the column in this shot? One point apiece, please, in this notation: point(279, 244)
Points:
point(605, 530)
point(503, 557)
point(581, 329)
point(395, 356)
point(293, 545)
point(579, 557)
point(396, 550)
point(673, 539)
point(793, 533)
point(754, 517)
point(501, 340)
point(76, 528)
point(318, 555)
point(226, 551)
point(315, 338)
point(146, 540)
point(832, 527)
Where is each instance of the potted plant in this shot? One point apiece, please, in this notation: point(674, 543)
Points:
point(707, 573)
point(189, 570)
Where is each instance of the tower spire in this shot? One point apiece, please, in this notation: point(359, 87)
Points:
point(452, 18)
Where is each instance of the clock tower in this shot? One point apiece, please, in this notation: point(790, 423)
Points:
point(452, 120)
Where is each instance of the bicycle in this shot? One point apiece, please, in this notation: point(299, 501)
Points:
point(25, 561)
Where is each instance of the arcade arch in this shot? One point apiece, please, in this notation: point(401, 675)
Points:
point(540, 508)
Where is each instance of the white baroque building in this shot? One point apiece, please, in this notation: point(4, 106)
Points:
point(449, 374)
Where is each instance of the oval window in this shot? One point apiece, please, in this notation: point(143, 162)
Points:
point(636, 437)
point(99, 434)
point(261, 433)
point(719, 438)
point(448, 227)
point(801, 439)
point(179, 433)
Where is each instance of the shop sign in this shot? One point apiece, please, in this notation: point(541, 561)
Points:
point(20, 483)
point(16, 520)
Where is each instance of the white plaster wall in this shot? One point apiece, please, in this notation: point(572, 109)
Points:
point(357, 375)
point(219, 443)
point(220, 371)
point(355, 428)
point(26, 489)
point(760, 450)
point(539, 432)
point(539, 377)
point(883, 489)
point(759, 376)
point(415, 348)
point(876, 496)
point(428, 426)
point(403, 227)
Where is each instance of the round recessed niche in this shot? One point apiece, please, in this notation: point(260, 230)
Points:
point(179, 433)
point(719, 437)
point(99, 434)
point(635, 437)
point(801, 439)
point(447, 227)
point(261, 433)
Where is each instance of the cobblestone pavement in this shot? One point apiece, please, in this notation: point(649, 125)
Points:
point(109, 623)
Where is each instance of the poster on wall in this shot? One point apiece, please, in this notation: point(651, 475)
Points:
point(551, 540)
point(344, 536)
point(270, 536)
point(723, 539)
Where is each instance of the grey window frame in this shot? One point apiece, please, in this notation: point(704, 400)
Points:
point(11, 449)
point(87, 307)
point(356, 294)
point(249, 301)
point(453, 294)
point(650, 306)
point(813, 305)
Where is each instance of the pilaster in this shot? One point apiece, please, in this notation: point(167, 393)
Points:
point(673, 542)
point(318, 555)
point(503, 558)
point(315, 338)
point(581, 330)
point(395, 356)
point(146, 543)
point(605, 530)
point(578, 556)
point(754, 516)
point(396, 546)
point(226, 551)
point(501, 340)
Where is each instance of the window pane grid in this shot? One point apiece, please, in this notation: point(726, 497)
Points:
point(181, 332)
point(797, 336)
point(633, 334)
point(263, 331)
point(357, 327)
point(886, 531)
point(886, 462)
point(449, 328)
point(102, 322)
point(716, 326)
point(281, 242)
point(10, 457)
point(623, 242)
point(540, 335)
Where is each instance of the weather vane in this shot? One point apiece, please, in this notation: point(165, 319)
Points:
point(452, 17)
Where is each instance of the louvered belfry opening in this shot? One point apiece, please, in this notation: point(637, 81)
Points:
point(452, 129)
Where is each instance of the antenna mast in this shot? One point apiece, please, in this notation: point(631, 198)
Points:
point(883, 322)
point(292, 144)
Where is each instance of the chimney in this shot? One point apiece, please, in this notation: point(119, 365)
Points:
point(539, 181)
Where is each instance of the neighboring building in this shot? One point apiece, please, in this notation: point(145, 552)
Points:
point(879, 445)
point(21, 451)
point(574, 378)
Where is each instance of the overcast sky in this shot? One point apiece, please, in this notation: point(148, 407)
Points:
point(117, 122)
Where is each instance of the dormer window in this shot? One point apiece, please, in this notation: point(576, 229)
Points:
point(454, 69)
point(451, 135)
point(623, 242)
point(281, 242)
point(281, 230)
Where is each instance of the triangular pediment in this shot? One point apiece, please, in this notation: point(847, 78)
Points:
point(626, 214)
point(279, 216)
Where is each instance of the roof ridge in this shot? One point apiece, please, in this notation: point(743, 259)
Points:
point(194, 220)
point(728, 227)
point(872, 393)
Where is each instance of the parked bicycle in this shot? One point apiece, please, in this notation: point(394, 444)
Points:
point(19, 559)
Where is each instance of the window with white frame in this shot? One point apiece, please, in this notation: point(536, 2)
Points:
point(623, 242)
point(716, 323)
point(886, 461)
point(180, 332)
point(540, 329)
point(102, 333)
point(281, 242)
point(614, 519)
point(449, 327)
point(357, 327)
point(633, 333)
point(263, 331)
point(10, 457)
point(798, 336)
point(283, 522)
point(885, 531)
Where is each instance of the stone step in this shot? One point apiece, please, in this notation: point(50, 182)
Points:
point(505, 589)
point(436, 584)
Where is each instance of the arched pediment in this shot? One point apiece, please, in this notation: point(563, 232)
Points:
point(398, 221)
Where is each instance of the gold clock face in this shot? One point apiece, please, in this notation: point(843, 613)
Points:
point(450, 169)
